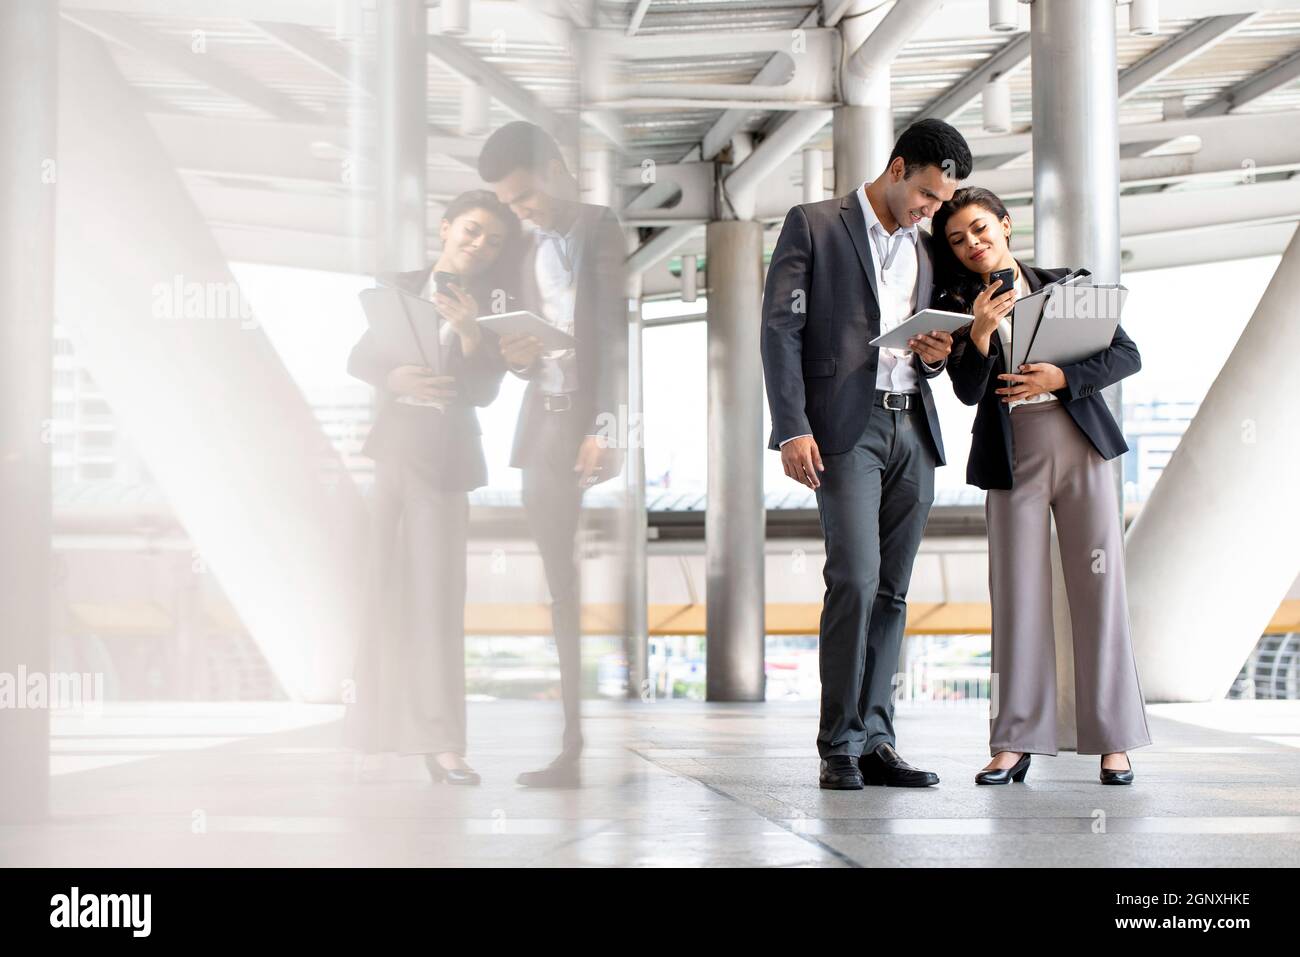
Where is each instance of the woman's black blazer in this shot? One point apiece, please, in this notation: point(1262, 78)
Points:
point(975, 379)
point(446, 447)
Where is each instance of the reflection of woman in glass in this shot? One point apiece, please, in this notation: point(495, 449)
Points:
point(410, 669)
point(1041, 443)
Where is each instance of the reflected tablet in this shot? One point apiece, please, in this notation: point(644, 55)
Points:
point(528, 323)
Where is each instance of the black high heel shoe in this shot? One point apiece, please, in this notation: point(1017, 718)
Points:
point(1016, 772)
point(443, 775)
point(1109, 776)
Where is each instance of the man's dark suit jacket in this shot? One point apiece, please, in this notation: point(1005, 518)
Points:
point(599, 326)
point(447, 446)
point(820, 310)
point(975, 381)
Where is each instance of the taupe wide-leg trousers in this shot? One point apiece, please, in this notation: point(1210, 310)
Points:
point(1056, 470)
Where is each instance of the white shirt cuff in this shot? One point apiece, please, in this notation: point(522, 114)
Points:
point(806, 435)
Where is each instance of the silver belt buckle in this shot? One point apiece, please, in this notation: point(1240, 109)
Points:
point(557, 402)
point(901, 395)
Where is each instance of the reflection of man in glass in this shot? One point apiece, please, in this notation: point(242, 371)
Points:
point(572, 277)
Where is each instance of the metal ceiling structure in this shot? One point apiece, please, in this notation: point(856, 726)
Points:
point(263, 106)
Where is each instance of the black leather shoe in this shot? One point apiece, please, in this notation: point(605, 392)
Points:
point(1118, 777)
point(560, 773)
point(467, 776)
point(840, 773)
point(1016, 772)
point(884, 766)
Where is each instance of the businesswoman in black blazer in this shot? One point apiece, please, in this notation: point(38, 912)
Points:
point(410, 668)
point(1040, 446)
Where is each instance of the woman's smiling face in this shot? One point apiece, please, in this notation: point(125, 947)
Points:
point(979, 239)
point(473, 241)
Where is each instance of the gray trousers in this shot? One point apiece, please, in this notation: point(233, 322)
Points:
point(873, 503)
point(410, 665)
point(552, 502)
point(1056, 471)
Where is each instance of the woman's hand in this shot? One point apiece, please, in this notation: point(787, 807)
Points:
point(458, 307)
point(989, 310)
point(1036, 378)
point(419, 382)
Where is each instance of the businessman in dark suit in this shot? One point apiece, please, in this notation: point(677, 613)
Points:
point(566, 439)
point(859, 426)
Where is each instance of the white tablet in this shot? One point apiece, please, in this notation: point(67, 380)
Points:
point(927, 320)
point(530, 323)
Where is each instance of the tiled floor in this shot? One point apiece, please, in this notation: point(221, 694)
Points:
point(667, 783)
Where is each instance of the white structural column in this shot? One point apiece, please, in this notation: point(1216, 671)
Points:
point(862, 131)
point(28, 66)
point(1213, 551)
point(636, 594)
point(872, 34)
point(402, 135)
point(1076, 200)
point(1076, 135)
point(735, 519)
point(197, 384)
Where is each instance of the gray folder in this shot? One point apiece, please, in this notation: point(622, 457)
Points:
point(1025, 315)
point(1078, 321)
point(406, 327)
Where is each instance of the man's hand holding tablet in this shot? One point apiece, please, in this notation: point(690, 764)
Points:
point(932, 346)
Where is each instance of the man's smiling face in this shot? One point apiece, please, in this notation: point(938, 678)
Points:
point(917, 197)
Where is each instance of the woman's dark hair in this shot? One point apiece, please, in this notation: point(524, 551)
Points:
point(487, 201)
point(932, 142)
point(950, 275)
point(517, 145)
point(501, 273)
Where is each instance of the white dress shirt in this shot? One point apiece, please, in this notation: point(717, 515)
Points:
point(556, 284)
point(895, 259)
point(1004, 333)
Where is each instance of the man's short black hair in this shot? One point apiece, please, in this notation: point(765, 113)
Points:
point(932, 142)
point(517, 145)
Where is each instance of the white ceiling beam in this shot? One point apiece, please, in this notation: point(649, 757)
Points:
point(1176, 214)
point(1271, 143)
point(1162, 61)
point(833, 11)
point(638, 15)
point(520, 101)
point(1254, 125)
point(208, 70)
point(1179, 50)
point(260, 149)
point(965, 91)
point(969, 19)
point(718, 137)
point(1278, 75)
point(883, 44)
point(1209, 246)
point(741, 185)
point(659, 247)
point(321, 52)
point(307, 12)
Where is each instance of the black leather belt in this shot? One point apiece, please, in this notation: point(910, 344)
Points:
point(898, 401)
point(556, 401)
